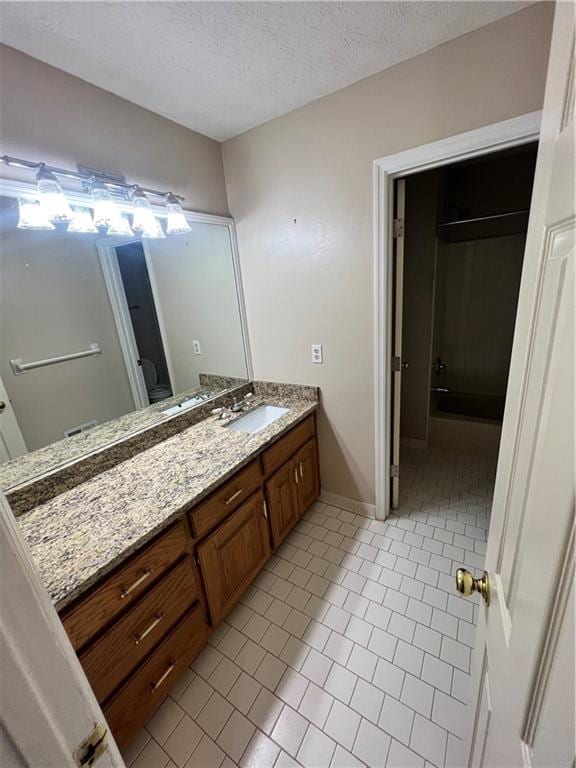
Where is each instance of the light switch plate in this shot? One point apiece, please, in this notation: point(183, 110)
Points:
point(317, 356)
point(196, 348)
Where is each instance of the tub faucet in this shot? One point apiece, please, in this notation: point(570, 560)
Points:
point(439, 366)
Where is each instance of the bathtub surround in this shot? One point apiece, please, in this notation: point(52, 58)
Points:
point(49, 482)
point(300, 190)
point(80, 535)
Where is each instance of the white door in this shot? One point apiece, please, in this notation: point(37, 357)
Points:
point(397, 340)
point(47, 707)
point(525, 647)
point(12, 443)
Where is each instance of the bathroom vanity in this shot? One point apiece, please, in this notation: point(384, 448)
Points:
point(144, 560)
point(151, 477)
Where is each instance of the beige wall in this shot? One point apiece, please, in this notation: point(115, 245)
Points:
point(61, 303)
point(53, 301)
point(46, 114)
point(300, 188)
point(197, 298)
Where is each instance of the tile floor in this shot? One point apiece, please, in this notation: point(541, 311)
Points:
point(351, 648)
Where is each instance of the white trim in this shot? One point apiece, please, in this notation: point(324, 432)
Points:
point(108, 259)
point(241, 302)
point(359, 507)
point(490, 138)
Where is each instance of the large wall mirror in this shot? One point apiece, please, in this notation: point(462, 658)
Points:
point(158, 326)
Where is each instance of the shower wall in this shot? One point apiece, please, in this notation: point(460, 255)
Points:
point(477, 285)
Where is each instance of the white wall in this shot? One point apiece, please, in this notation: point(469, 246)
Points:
point(300, 188)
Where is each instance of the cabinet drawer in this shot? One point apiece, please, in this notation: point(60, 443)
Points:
point(124, 586)
point(108, 661)
point(150, 685)
point(229, 497)
point(278, 453)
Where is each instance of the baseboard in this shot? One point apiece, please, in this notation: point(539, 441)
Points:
point(358, 507)
point(414, 442)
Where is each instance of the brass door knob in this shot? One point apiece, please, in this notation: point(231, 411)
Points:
point(466, 584)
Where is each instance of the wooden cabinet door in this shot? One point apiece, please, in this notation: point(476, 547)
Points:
point(283, 502)
point(306, 464)
point(232, 556)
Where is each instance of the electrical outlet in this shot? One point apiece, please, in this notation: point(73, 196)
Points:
point(317, 356)
point(196, 348)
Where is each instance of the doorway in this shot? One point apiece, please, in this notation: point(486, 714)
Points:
point(458, 264)
point(143, 316)
point(507, 134)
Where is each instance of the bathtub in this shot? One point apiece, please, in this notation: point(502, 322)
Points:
point(466, 423)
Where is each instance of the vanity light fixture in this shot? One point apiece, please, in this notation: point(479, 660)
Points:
point(120, 226)
point(105, 210)
point(143, 219)
point(82, 221)
point(52, 198)
point(176, 223)
point(32, 215)
point(111, 198)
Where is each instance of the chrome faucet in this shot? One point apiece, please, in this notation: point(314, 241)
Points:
point(241, 405)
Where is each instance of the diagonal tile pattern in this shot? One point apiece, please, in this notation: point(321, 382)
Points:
point(350, 648)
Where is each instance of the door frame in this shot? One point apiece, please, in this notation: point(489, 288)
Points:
point(481, 141)
point(106, 248)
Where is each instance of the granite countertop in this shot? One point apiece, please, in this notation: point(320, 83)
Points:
point(80, 535)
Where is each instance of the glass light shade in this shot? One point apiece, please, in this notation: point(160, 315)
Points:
point(143, 220)
point(120, 226)
point(176, 223)
point(105, 209)
point(32, 215)
point(54, 200)
point(82, 222)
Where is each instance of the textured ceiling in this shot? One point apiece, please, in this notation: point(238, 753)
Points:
point(223, 67)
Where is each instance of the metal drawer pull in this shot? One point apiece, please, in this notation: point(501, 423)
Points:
point(301, 470)
point(154, 623)
point(158, 683)
point(234, 496)
point(126, 590)
point(296, 475)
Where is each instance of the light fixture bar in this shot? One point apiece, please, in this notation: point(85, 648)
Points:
point(85, 175)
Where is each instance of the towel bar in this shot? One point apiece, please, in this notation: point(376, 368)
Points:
point(19, 366)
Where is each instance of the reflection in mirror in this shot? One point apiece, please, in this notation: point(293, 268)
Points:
point(165, 316)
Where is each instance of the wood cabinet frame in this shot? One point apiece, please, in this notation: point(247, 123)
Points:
point(227, 538)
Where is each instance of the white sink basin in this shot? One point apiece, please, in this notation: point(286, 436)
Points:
point(258, 419)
